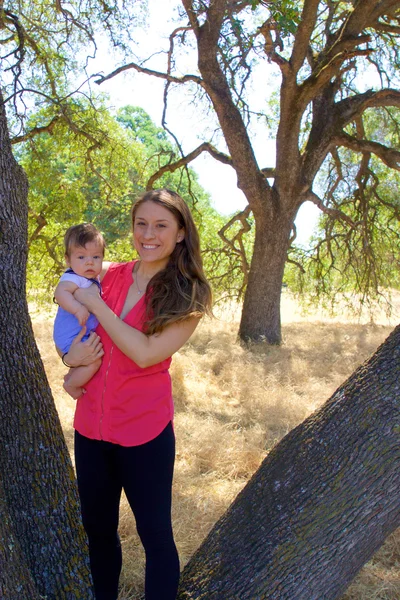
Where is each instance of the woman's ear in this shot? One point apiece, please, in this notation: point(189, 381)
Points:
point(180, 236)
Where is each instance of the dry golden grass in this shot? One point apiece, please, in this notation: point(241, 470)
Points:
point(232, 405)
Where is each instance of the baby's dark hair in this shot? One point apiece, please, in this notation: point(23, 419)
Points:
point(82, 234)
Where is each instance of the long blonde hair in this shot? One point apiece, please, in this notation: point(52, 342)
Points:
point(181, 290)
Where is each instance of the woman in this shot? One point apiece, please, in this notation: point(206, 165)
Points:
point(124, 437)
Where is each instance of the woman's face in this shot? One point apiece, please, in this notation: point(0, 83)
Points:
point(155, 233)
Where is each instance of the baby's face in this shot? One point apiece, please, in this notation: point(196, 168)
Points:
point(86, 260)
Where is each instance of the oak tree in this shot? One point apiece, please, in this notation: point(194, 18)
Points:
point(335, 63)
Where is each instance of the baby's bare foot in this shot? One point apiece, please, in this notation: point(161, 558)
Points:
point(73, 391)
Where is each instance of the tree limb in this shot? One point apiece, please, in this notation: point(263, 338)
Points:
point(185, 160)
point(344, 43)
point(270, 45)
point(41, 223)
point(69, 17)
point(330, 66)
point(159, 74)
point(268, 172)
point(348, 37)
point(241, 252)
point(296, 264)
point(304, 31)
point(332, 212)
point(389, 156)
point(37, 131)
point(214, 81)
point(192, 15)
point(355, 105)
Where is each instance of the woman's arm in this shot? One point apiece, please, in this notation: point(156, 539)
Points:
point(144, 350)
point(83, 353)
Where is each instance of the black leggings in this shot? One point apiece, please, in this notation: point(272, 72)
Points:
point(145, 473)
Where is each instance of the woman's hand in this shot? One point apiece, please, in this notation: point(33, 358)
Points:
point(88, 296)
point(84, 353)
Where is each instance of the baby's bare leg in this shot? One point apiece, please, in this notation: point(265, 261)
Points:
point(76, 378)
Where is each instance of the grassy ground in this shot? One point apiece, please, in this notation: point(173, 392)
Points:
point(232, 405)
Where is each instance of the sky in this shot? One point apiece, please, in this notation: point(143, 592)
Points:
point(146, 91)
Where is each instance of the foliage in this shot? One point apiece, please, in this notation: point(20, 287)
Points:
point(45, 49)
point(72, 182)
point(317, 58)
point(222, 262)
point(358, 256)
point(335, 65)
point(46, 46)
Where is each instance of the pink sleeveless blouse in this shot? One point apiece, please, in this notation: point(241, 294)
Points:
point(124, 404)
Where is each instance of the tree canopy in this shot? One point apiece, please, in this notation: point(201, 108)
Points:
point(319, 77)
point(45, 48)
point(335, 65)
point(70, 182)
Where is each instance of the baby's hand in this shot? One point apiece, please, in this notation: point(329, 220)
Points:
point(82, 314)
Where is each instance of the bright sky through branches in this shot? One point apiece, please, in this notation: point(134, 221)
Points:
point(143, 90)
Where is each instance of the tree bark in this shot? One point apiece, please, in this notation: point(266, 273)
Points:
point(16, 580)
point(42, 542)
point(261, 315)
point(322, 502)
point(261, 308)
point(310, 98)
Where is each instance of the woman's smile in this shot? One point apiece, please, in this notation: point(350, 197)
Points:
point(155, 233)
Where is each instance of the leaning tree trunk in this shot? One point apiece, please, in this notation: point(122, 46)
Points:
point(42, 542)
point(320, 505)
point(261, 313)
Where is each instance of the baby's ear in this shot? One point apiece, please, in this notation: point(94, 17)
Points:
point(66, 259)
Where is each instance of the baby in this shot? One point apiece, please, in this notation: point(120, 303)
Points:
point(84, 253)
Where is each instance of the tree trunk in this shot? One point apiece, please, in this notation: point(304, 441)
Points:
point(322, 502)
point(261, 313)
point(15, 580)
point(42, 542)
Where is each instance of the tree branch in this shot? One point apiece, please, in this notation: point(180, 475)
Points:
point(329, 120)
point(296, 264)
point(41, 223)
point(270, 45)
point(159, 74)
point(268, 172)
point(384, 28)
point(389, 156)
point(345, 41)
point(69, 17)
point(330, 66)
point(366, 13)
point(37, 131)
point(332, 212)
point(241, 252)
point(192, 15)
point(304, 32)
point(349, 108)
point(185, 160)
point(214, 81)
